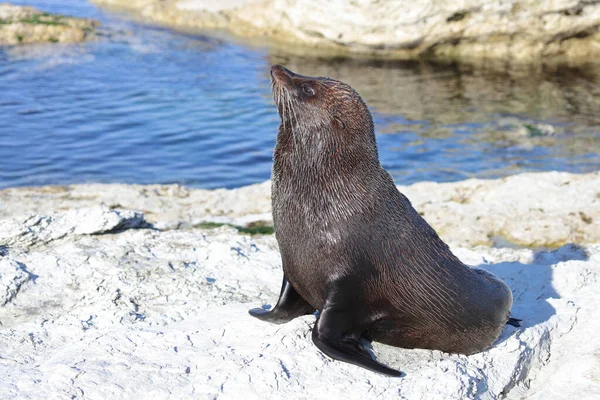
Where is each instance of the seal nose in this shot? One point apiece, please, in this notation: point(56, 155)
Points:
point(278, 72)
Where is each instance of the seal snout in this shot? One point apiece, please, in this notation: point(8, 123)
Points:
point(281, 74)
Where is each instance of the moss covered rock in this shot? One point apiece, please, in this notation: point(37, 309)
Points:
point(21, 25)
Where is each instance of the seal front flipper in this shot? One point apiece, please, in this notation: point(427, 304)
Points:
point(289, 306)
point(514, 322)
point(337, 333)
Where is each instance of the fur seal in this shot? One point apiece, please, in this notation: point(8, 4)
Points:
point(354, 248)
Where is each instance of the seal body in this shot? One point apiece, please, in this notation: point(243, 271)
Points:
point(352, 245)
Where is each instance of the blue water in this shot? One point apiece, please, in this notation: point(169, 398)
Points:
point(145, 104)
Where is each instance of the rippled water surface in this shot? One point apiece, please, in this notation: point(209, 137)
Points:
point(148, 105)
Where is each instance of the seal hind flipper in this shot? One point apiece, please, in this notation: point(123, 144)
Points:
point(514, 322)
point(289, 306)
point(338, 330)
point(345, 347)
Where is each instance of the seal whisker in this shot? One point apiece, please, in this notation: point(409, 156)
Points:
point(292, 109)
point(289, 107)
point(274, 90)
point(280, 104)
point(283, 106)
point(278, 96)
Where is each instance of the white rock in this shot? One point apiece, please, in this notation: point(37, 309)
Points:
point(35, 229)
point(159, 314)
point(509, 30)
point(13, 275)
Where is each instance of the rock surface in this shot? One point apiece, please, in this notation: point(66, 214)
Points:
point(95, 314)
point(523, 30)
point(547, 209)
point(36, 230)
point(21, 25)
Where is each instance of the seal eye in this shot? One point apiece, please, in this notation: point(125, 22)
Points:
point(307, 90)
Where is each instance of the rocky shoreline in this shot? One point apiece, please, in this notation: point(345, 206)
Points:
point(122, 290)
point(27, 25)
point(525, 31)
point(529, 209)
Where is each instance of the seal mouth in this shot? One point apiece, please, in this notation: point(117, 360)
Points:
point(281, 84)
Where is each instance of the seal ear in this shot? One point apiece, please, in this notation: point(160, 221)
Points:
point(339, 122)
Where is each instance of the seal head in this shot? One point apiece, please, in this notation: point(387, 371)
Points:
point(322, 111)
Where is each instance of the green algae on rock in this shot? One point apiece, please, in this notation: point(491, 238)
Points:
point(253, 228)
point(22, 25)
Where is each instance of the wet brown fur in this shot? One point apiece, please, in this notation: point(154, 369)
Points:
point(340, 218)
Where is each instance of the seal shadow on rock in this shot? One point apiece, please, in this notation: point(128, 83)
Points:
point(533, 283)
point(354, 248)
